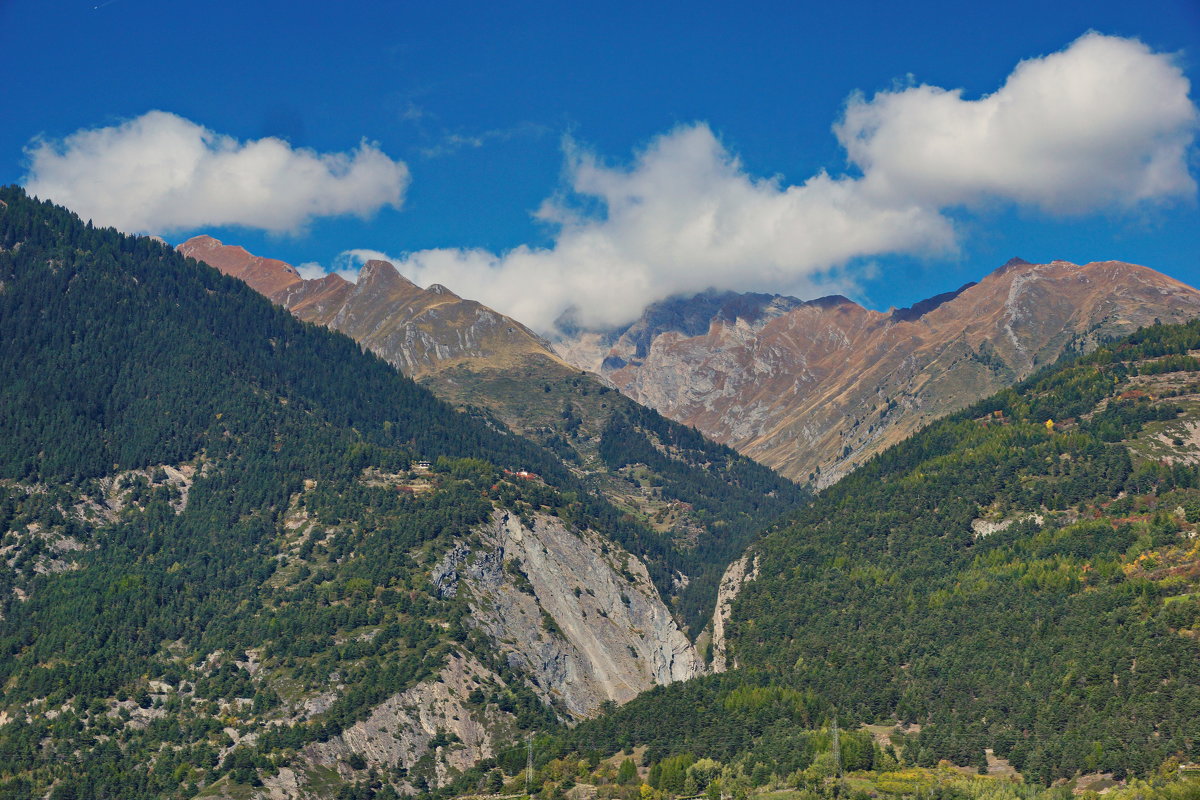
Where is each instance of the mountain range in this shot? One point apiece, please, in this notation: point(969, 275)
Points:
point(228, 533)
point(811, 389)
point(814, 389)
point(219, 519)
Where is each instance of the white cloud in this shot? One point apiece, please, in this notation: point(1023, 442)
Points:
point(1105, 123)
point(685, 216)
point(160, 172)
point(311, 270)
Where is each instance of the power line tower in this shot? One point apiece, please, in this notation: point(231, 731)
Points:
point(837, 748)
point(528, 762)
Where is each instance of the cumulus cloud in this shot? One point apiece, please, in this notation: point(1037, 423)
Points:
point(683, 217)
point(1104, 124)
point(160, 172)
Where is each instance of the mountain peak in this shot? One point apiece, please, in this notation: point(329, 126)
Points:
point(203, 240)
point(753, 307)
point(831, 301)
point(265, 275)
point(437, 288)
point(1014, 264)
point(378, 273)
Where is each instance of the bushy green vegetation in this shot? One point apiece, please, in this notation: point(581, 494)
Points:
point(818, 764)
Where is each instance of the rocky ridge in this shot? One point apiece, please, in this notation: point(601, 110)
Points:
point(420, 331)
point(813, 389)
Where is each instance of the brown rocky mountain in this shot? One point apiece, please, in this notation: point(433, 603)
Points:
point(421, 331)
point(813, 389)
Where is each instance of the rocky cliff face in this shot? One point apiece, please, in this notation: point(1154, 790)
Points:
point(574, 614)
point(574, 611)
point(737, 575)
point(420, 331)
point(813, 389)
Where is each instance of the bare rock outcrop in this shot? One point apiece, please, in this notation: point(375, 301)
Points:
point(576, 613)
point(434, 715)
point(737, 575)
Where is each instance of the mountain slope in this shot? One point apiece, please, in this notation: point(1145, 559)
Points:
point(702, 501)
point(815, 389)
point(1022, 577)
point(226, 554)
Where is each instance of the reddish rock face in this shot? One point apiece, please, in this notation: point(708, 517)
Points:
point(265, 275)
point(816, 388)
point(420, 331)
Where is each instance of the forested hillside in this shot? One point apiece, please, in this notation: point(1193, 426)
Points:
point(219, 528)
point(1021, 578)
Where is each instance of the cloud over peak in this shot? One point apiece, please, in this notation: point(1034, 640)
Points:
point(1105, 124)
point(160, 172)
point(682, 217)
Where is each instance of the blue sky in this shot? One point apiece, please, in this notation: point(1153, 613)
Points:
point(478, 115)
